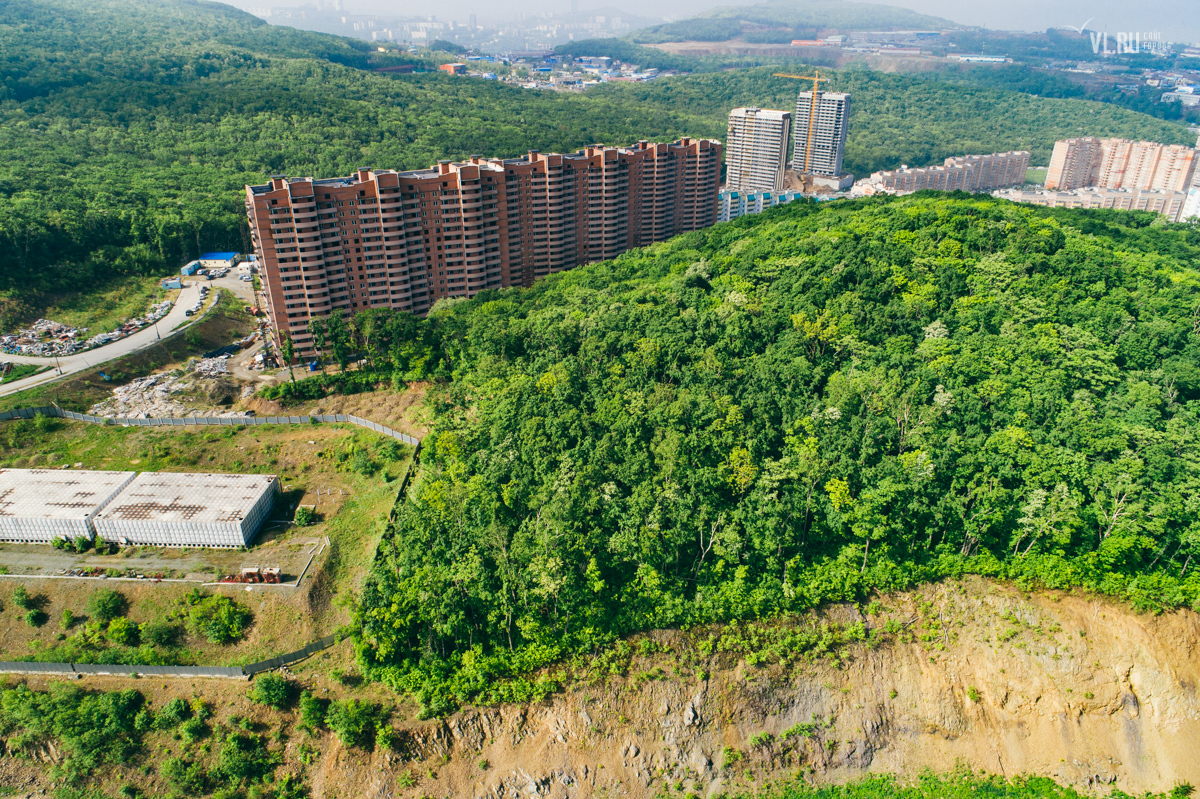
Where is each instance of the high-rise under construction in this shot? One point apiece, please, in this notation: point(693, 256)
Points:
point(756, 149)
point(819, 132)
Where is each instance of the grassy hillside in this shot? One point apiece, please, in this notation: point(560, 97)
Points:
point(131, 126)
point(784, 20)
point(797, 408)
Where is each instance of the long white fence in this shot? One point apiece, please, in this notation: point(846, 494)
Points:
point(122, 670)
point(219, 421)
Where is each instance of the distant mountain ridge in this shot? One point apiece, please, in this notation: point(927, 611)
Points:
point(779, 21)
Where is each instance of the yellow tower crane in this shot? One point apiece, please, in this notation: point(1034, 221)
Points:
point(812, 112)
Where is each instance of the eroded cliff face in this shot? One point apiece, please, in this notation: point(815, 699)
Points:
point(979, 674)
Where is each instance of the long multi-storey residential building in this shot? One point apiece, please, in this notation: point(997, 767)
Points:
point(386, 239)
point(1120, 164)
point(732, 204)
point(828, 128)
point(1168, 203)
point(961, 173)
point(756, 149)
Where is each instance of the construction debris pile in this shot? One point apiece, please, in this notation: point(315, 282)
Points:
point(47, 338)
point(145, 397)
point(212, 367)
point(156, 395)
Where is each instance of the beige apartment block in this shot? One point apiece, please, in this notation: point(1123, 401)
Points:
point(1120, 164)
point(962, 173)
point(1168, 203)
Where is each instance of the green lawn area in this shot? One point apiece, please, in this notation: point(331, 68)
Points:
point(21, 370)
point(1035, 174)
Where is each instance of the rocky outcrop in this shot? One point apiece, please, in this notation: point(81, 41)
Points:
point(978, 674)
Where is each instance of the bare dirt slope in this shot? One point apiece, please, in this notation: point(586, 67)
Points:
point(981, 675)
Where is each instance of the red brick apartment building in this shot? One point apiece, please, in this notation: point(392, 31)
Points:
point(406, 239)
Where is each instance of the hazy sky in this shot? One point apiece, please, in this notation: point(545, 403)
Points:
point(1176, 19)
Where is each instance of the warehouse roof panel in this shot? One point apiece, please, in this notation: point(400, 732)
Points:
point(56, 493)
point(170, 497)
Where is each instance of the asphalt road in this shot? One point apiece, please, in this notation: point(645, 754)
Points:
point(177, 318)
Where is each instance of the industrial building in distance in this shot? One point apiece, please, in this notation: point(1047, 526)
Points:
point(189, 510)
point(154, 508)
point(38, 506)
point(756, 148)
point(960, 173)
point(1090, 162)
point(403, 240)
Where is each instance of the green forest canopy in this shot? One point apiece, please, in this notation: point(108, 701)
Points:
point(131, 126)
point(791, 409)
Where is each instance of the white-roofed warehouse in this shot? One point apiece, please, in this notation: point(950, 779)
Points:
point(40, 505)
point(189, 510)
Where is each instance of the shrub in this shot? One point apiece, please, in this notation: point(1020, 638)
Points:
point(353, 721)
point(160, 633)
point(218, 619)
point(106, 604)
point(173, 714)
point(193, 730)
point(67, 620)
point(185, 777)
point(305, 516)
point(312, 710)
point(122, 632)
point(973, 694)
point(271, 690)
point(22, 599)
point(244, 756)
point(35, 618)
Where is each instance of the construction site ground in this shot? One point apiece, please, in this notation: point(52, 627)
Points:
point(314, 465)
point(227, 322)
point(406, 411)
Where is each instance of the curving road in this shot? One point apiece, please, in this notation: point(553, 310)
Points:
point(90, 359)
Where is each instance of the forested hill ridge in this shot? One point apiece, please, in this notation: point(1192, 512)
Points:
point(795, 408)
point(780, 21)
point(130, 126)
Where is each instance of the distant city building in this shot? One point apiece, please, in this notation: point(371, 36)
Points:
point(828, 127)
point(454, 69)
point(1191, 206)
point(1120, 164)
point(403, 240)
point(733, 204)
point(960, 173)
point(1168, 203)
point(756, 149)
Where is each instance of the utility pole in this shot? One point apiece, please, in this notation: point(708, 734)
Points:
point(812, 112)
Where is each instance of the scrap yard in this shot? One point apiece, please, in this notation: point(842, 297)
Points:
point(46, 338)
